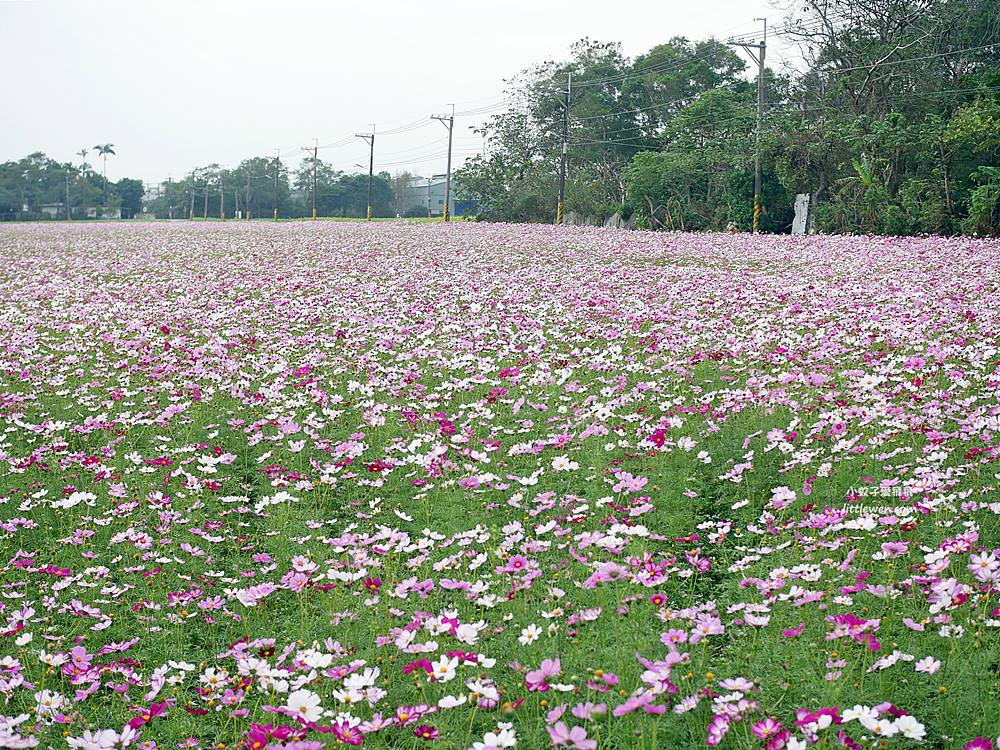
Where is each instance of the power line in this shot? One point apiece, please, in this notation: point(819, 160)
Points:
point(914, 59)
point(658, 67)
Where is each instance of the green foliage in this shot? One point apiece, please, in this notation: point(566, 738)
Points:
point(130, 192)
point(984, 202)
point(887, 129)
point(508, 191)
point(662, 188)
point(35, 187)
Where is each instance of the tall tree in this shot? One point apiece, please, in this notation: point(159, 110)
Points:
point(105, 150)
point(130, 194)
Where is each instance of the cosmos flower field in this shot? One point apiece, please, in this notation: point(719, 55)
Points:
point(313, 485)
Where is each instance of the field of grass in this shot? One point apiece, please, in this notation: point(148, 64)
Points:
point(308, 485)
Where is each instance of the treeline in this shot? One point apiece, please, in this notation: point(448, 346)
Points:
point(894, 127)
point(261, 185)
point(38, 187)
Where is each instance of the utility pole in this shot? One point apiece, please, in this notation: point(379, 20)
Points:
point(758, 57)
point(314, 149)
point(170, 201)
point(370, 139)
point(274, 191)
point(191, 194)
point(68, 216)
point(565, 147)
point(447, 181)
point(222, 200)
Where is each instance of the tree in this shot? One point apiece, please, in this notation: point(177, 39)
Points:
point(400, 187)
point(328, 193)
point(105, 150)
point(673, 75)
point(619, 108)
point(130, 193)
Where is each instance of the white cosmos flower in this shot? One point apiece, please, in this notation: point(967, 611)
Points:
point(502, 739)
point(563, 463)
point(444, 668)
point(74, 499)
point(361, 680)
point(859, 712)
point(928, 664)
point(910, 728)
point(305, 704)
point(879, 726)
point(48, 702)
point(53, 660)
point(468, 633)
point(529, 635)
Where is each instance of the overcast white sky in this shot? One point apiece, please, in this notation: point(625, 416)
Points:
point(178, 84)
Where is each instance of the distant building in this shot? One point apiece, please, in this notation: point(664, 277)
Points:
point(426, 194)
point(96, 212)
point(414, 198)
point(53, 210)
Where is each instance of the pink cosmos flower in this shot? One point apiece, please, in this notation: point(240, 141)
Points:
point(643, 700)
point(928, 665)
point(575, 738)
point(628, 483)
point(603, 681)
point(536, 680)
point(515, 564)
point(426, 732)
point(588, 711)
point(717, 729)
point(766, 728)
point(895, 549)
point(704, 626)
point(347, 734)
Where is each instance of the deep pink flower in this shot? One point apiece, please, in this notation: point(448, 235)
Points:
point(426, 732)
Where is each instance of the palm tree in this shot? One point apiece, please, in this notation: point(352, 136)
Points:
point(105, 150)
point(82, 153)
